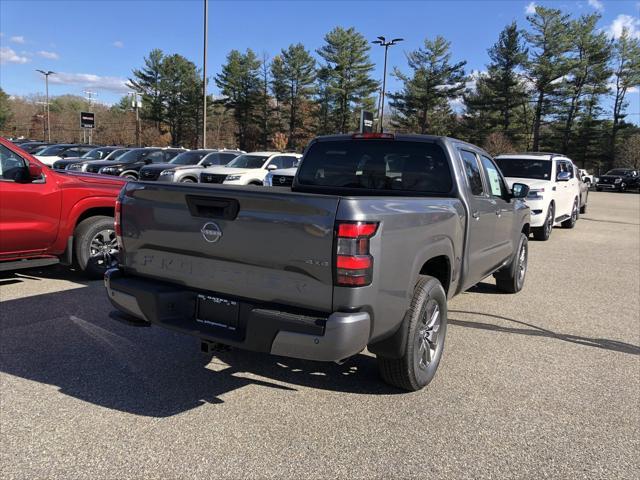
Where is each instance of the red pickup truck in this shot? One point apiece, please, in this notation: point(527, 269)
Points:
point(49, 217)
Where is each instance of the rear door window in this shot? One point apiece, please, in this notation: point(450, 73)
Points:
point(377, 165)
point(472, 170)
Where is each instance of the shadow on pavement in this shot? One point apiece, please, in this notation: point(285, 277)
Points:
point(536, 331)
point(66, 339)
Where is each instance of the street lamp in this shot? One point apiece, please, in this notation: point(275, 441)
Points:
point(46, 78)
point(386, 44)
point(204, 75)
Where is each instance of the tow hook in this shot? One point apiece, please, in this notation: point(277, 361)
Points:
point(213, 347)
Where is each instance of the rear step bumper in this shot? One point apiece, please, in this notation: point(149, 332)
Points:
point(261, 328)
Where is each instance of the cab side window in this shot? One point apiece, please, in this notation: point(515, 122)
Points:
point(496, 186)
point(472, 170)
point(10, 164)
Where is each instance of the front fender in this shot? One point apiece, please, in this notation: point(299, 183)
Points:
point(68, 223)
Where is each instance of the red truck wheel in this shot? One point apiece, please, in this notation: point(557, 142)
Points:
point(95, 245)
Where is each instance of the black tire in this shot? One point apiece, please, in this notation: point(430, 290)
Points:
point(256, 183)
point(510, 279)
point(130, 176)
point(571, 222)
point(427, 327)
point(598, 189)
point(544, 232)
point(187, 180)
point(88, 237)
point(622, 188)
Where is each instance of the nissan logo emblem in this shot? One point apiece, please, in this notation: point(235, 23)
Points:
point(211, 232)
point(282, 179)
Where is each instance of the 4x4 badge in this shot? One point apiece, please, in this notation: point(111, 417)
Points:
point(211, 232)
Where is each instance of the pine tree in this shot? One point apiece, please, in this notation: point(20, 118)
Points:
point(348, 69)
point(496, 102)
point(588, 75)
point(181, 88)
point(423, 104)
point(548, 63)
point(293, 78)
point(146, 81)
point(626, 60)
point(239, 83)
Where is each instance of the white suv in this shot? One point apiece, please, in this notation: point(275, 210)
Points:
point(249, 168)
point(554, 195)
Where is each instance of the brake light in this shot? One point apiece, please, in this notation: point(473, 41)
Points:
point(368, 136)
point(117, 222)
point(354, 263)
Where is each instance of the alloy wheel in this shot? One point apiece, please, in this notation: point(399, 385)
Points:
point(104, 248)
point(428, 335)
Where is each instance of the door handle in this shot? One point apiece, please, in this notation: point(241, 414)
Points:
point(476, 215)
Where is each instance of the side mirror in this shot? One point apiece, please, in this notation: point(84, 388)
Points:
point(35, 171)
point(272, 167)
point(519, 190)
point(563, 177)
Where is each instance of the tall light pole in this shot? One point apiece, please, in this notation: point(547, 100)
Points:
point(386, 44)
point(204, 75)
point(46, 80)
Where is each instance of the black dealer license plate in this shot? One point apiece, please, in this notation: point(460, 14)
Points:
point(217, 312)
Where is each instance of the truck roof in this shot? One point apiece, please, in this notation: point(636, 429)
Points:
point(534, 156)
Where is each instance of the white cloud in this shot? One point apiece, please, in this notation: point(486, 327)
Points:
point(7, 55)
point(17, 39)
point(111, 84)
point(118, 44)
point(597, 4)
point(530, 9)
point(622, 21)
point(49, 55)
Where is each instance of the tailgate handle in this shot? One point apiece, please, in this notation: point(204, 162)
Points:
point(211, 207)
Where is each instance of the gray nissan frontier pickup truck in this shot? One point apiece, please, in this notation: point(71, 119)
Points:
point(362, 251)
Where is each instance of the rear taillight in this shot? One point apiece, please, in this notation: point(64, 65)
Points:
point(117, 222)
point(354, 263)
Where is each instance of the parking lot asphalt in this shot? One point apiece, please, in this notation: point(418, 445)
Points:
point(544, 383)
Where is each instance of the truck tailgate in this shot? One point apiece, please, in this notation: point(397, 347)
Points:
point(248, 242)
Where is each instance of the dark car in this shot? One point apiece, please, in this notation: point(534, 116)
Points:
point(100, 153)
point(620, 179)
point(80, 165)
point(129, 164)
point(32, 147)
point(191, 157)
point(59, 151)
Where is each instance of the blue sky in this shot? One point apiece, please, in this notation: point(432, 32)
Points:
point(96, 44)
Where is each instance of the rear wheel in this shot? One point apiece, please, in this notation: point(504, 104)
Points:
point(544, 232)
point(622, 187)
point(598, 189)
point(95, 245)
point(130, 176)
point(427, 327)
point(510, 279)
point(571, 222)
point(187, 180)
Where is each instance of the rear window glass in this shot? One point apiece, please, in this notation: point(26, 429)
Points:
point(377, 165)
